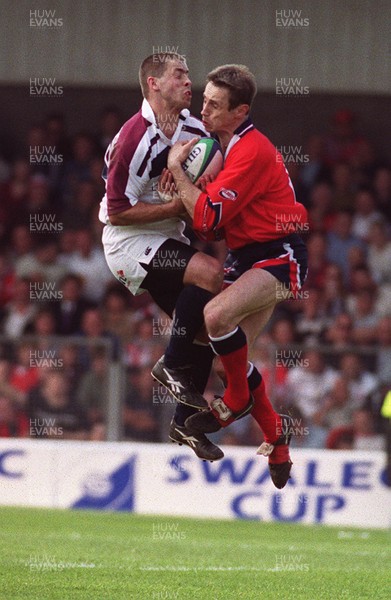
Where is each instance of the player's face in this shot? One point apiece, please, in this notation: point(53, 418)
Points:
point(216, 115)
point(175, 85)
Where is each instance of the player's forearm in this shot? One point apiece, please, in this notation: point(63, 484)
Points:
point(188, 192)
point(145, 213)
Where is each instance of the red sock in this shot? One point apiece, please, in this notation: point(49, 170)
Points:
point(279, 455)
point(232, 349)
point(265, 415)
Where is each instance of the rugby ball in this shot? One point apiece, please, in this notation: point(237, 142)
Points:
point(205, 158)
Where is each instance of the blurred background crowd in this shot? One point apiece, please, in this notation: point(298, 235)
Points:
point(325, 357)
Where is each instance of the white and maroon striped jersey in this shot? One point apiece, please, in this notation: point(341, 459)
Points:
point(134, 161)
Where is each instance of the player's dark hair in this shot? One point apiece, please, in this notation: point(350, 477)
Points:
point(238, 80)
point(155, 65)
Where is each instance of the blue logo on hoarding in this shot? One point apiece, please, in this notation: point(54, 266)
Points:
point(5, 470)
point(113, 491)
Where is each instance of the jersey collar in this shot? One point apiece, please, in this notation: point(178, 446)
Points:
point(239, 132)
point(149, 115)
point(244, 128)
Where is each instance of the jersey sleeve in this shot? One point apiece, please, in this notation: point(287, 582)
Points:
point(244, 175)
point(124, 186)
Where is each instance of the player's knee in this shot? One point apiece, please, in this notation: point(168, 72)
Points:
point(213, 317)
point(213, 276)
point(206, 272)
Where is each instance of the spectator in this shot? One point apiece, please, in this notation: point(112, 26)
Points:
point(340, 240)
point(364, 317)
point(312, 321)
point(361, 383)
point(343, 144)
point(337, 407)
point(359, 435)
point(314, 170)
point(81, 206)
point(78, 167)
point(7, 390)
point(20, 311)
point(340, 334)
point(43, 325)
point(110, 123)
point(379, 253)
point(67, 241)
point(93, 328)
point(13, 421)
point(365, 214)
point(141, 418)
point(364, 435)
point(89, 263)
point(118, 316)
point(56, 135)
point(69, 309)
point(308, 384)
point(283, 332)
point(52, 411)
point(43, 265)
point(383, 339)
point(343, 186)
point(382, 187)
point(14, 193)
point(317, 261)
point(321, 213)
point(70, 365)
point(146, 346)
point(21, 244)
point(93, 391)
point(7, 281)
point(333, 290)
point(24, 374)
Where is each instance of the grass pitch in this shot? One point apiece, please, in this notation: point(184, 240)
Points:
point(71, 555)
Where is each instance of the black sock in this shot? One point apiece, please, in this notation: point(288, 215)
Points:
point(202, 360)
point(254, 379)
point(188, 320)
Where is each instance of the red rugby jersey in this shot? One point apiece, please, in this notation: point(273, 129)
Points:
point(252, 198)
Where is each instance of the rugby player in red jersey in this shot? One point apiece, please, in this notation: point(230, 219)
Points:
point(253, 201)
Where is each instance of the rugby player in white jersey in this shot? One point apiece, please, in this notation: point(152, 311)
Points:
point(143, 238)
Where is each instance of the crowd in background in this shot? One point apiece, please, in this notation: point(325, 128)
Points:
point(325, 357)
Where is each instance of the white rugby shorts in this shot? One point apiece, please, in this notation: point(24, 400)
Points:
point(125, 251)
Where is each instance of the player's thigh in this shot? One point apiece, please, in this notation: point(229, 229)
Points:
point(205, 272)
point(252, 292)
point(166, 273)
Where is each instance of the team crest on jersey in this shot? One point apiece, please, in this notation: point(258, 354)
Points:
point(228, 194)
